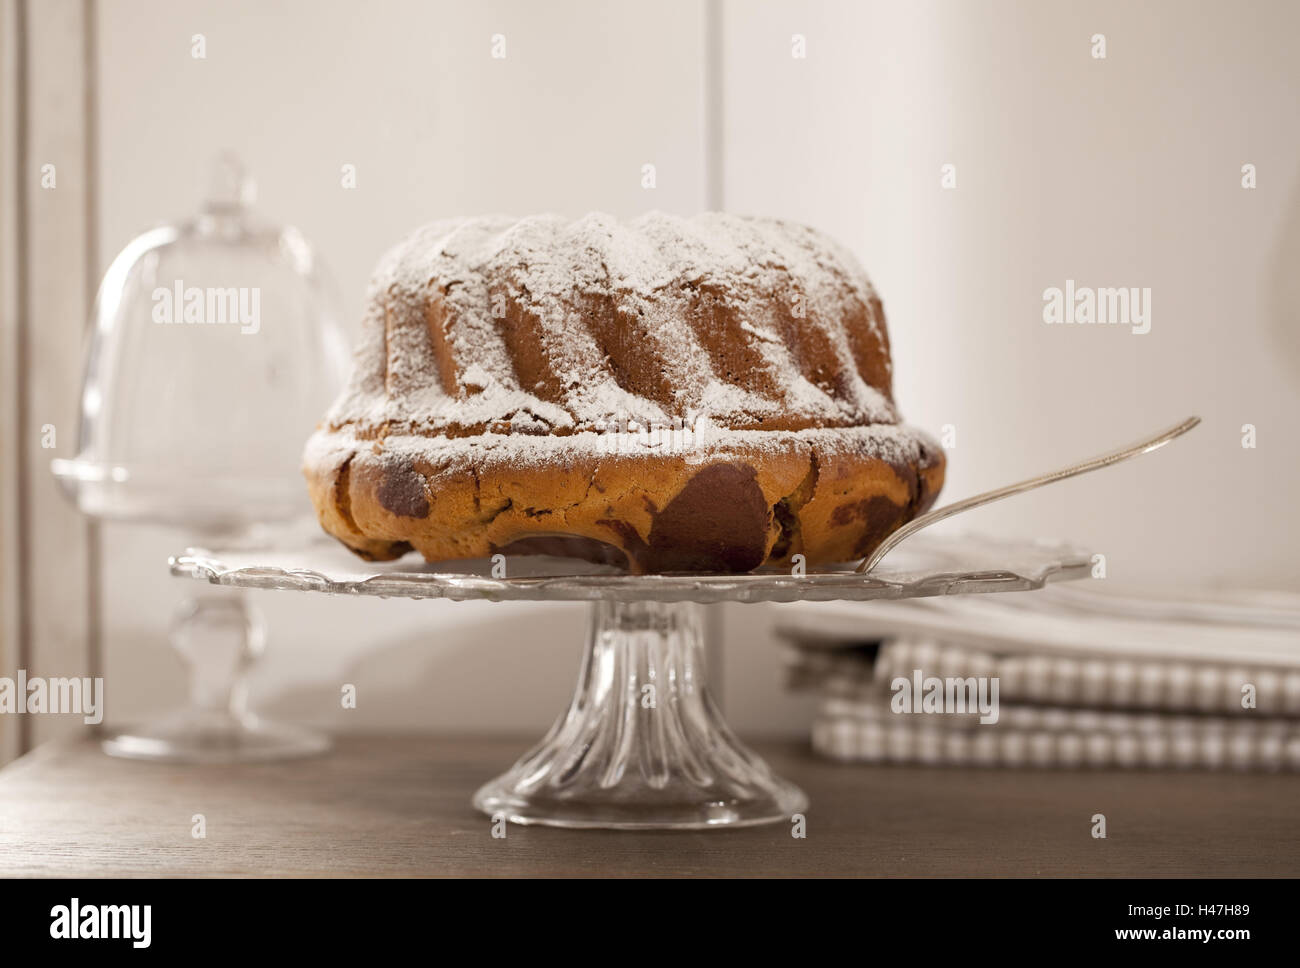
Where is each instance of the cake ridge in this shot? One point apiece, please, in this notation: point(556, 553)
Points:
point(472, 283)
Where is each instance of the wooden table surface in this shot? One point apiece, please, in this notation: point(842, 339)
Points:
point(399, 805)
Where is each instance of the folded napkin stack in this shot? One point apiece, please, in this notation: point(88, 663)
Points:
point(1064, 677)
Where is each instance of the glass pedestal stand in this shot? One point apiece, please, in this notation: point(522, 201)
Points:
point(220, 635)
point(216, 630)
point(642, 743)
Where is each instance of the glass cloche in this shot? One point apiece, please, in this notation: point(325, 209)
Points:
point(216, 347)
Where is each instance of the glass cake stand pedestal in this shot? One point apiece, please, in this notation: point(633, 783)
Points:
point(642, 744)
point(220, 635)
point(217, 632)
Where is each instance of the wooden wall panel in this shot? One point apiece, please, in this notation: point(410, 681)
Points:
point(9, 301)
point(49, 546)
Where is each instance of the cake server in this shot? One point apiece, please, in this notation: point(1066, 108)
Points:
point(988, 497)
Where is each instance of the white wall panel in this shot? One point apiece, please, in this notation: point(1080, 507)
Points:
point(1116, 172)
point(409, 93)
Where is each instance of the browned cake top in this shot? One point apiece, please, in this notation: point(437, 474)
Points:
point(549, 327)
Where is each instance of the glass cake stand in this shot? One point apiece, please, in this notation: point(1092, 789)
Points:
point(199, 428)
point(642, 744)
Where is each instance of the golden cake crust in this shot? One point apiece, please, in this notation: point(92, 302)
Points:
point(706, 394)
point(728, 506)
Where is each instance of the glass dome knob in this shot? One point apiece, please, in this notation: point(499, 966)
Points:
point(230, 186)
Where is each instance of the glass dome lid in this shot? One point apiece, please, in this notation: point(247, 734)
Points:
point(216, 348)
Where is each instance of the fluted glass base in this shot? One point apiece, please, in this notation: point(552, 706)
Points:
point(200, 736)
point(642, 744)
point(220, 635)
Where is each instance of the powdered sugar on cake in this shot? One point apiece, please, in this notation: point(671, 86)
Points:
point(543, 328)
point(898, 445)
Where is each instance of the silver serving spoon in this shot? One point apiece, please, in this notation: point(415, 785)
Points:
point(988, 497)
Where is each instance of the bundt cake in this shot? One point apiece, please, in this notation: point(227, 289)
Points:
point(666, 394)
